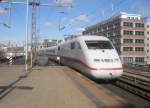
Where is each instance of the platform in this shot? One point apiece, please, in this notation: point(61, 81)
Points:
point(58, 87)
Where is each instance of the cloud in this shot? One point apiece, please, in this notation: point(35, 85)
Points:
point(79, 30)
point(102, 12)
point(63, 2)
point(2, 10)
point(41, 33)
point(49, 24)
point(80, 18)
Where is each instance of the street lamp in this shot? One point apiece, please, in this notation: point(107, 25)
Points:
point(59, 26)
point(26, 51)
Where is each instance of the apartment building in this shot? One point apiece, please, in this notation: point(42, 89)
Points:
point(127, 33)
point(49, 43)
point(148, 42)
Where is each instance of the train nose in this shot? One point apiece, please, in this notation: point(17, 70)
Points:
point(107, 74)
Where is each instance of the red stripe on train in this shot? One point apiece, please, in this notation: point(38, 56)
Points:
point(85, 65)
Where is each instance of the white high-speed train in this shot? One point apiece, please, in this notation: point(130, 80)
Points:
point(92, 55)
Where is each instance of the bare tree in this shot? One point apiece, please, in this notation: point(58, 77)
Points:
point(2, 55)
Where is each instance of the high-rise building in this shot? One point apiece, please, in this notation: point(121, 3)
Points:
point(128, 34)
point(147, 39)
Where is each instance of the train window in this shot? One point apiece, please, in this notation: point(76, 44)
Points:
point(72, 46)
point(59, 48)
point(99, 45)
point(78, 45)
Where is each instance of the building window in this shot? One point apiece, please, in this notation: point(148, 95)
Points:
point(139, 32)
point(116, 25)
point(139, 40)
point(128, 59)
point(147, 38)
point(78, 45)
point(118, 49)
point(126, 32)
point(139, 24)
point(127, 48)
point(139, 59)
point(147, 26)
point(147, 51)
point(147, 45)
point(139, 48)
point(127, 24)
point(148, 32)
point(128, 40)
point(110, 26)
point(99, 29)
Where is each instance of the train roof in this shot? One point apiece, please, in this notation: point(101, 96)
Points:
point(89, 37)
point(78, 38)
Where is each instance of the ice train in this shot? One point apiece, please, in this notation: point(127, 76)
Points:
point(92, 55)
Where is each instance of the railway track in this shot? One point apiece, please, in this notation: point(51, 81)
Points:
point(120, 89)
point(134, 83)
point(144, 74)
point(137, 84)
point(138, 69)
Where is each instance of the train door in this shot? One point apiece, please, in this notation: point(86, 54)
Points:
point(78, 50)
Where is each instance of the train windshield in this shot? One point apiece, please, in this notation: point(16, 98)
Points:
point(99, 45)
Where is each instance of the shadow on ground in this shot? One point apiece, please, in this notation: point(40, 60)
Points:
point(5, 90)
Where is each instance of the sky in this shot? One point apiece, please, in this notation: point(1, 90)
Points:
point(54, 22)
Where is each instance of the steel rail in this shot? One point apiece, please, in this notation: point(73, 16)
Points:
point(140, 74)
point(135, 85)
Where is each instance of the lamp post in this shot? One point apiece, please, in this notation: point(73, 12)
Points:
point(26, 51)
point(59, 26)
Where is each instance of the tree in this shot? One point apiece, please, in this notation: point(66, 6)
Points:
point(2, 54)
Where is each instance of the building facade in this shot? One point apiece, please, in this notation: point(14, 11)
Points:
point(148, 41)
point(49, 43)
point(128, 34)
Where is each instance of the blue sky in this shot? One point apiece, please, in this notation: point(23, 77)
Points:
point(74, 19)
